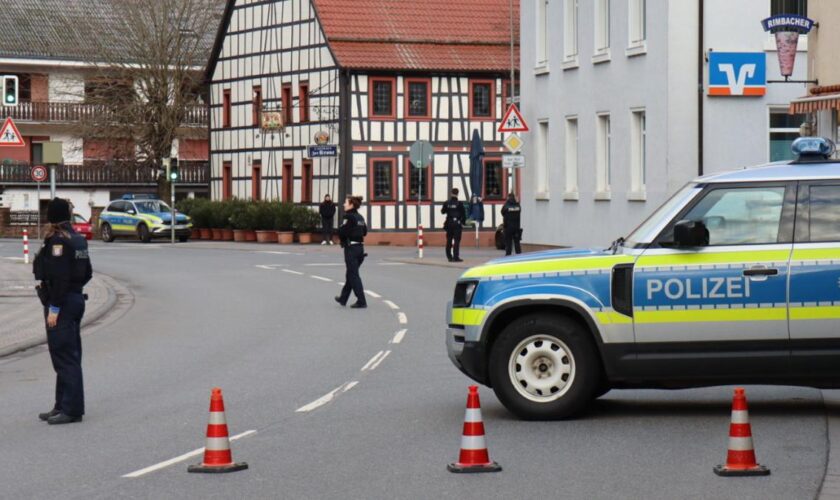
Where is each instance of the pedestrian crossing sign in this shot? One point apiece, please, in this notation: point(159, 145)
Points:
point(513, 121)
point(10, 136)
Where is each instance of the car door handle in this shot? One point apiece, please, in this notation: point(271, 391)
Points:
point(761, 271)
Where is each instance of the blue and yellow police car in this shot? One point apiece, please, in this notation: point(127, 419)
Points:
point(734, 280)
point(142, 216)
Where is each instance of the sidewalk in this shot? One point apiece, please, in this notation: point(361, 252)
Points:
point(435, 256)
point(21, 316)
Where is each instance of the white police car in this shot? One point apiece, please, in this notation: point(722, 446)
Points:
point(735, 279)
point(142, 216)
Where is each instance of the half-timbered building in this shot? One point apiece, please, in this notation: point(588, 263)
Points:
point(371, 77)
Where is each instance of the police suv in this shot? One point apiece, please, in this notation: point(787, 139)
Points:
point(735, 279)
point(142, 216)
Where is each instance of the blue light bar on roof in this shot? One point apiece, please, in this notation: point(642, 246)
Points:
point(813, 147)
point(139, 197)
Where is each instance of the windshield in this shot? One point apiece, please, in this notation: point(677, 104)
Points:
point(78, 219)
point(151, 207)
point(648, 229)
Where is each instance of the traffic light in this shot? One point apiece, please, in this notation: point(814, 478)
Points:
point(174, 174)
point(10, 90)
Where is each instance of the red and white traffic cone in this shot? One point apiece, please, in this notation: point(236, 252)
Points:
point(26, 246)
point(474, 456)
point(740, 458)
point(217, 455)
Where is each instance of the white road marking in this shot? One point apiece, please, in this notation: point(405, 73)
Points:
point(373, 367)
point(270, 267)
point(402, 318)
point(372, 360)
point(277, 252)
point(326, 398)
point(391, 304)
point(181, 458)
point(373, 294)
point(15, 258)
point(292, 272)
point(340, 283)
point(320, 278)
point(326, 264)
point(398, 336)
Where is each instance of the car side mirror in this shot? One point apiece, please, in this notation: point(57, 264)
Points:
point(690, 233)
point(131, 211)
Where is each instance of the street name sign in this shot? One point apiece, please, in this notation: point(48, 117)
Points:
point(513, 121)
point(10, 136)
point(322, 150)
point(513, 161)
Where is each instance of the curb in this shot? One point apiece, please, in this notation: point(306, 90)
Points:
point(110, 286)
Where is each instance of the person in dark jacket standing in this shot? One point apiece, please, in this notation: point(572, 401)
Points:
point(456, 215)
point(352, 236)
point(511, 212)
point(327, 211)
point(63, 267)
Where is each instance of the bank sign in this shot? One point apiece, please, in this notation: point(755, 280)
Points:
point(737, 73)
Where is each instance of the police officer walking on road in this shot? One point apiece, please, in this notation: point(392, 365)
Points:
point(352, 235)
point(456, 215)
point(63, 267)
point(511, 212)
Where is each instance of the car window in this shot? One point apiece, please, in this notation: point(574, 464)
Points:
point(739, 216)
point(116, 206)
point(151, 207)
point(78, 219)
point(824, 213)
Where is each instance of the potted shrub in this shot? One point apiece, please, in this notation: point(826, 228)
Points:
point(200, 213)
point(263, 220)
point(304, 222)
point(242, 221)
point(283, 223)
point(215, 219)
point(187, 206)
point(227, 209)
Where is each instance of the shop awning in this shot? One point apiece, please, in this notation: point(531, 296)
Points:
point(810, 104)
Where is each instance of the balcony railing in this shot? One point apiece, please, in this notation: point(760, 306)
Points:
point(106, 173)
point(72, 112)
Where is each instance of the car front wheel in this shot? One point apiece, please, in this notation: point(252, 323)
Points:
point(544, 367)
point(143, 233)
point(107, 233)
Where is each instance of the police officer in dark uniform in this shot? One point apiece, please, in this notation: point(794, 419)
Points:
point(352, 236)
point(511, 213)
point(63, 268)
point(456, 215)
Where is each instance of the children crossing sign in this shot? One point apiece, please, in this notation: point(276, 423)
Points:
point(513, 121)
point(10, 136)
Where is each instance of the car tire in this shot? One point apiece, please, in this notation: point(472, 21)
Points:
point(183, 239)
point(107, 233)
point(545, 367)
point(143, 233)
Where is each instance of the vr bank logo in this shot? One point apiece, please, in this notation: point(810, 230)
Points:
point(737, 73)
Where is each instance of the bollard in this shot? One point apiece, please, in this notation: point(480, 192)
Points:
point(26, 246)
point(420, 241)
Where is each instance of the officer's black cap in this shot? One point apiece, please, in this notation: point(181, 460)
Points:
point(58, 211)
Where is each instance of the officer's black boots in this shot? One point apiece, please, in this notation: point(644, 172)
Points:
point(47, 415)
point(338, 299)
point(61, 418)
point(358, 305)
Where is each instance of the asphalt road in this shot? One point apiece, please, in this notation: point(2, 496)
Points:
point(260, 322)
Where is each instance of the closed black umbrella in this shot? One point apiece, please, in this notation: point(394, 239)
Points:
point(476, 177)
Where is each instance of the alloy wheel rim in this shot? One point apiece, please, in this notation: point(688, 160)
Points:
point(542, 368)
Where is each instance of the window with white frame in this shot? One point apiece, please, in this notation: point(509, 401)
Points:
point(638, 22)
point(784, 129)
point(542, 32)
point(602, 26)
point(602, 156)
point(571, 155)
point(638, 153)
point(570, 30)
point(542, 159)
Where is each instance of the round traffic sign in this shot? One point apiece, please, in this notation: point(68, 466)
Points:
point(39, 173)
point(421, 154)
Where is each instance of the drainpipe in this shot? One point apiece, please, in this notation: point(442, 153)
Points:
point(701, 61)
